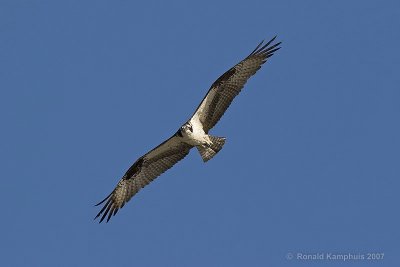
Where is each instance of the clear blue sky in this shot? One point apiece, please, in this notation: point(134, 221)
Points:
point(311, 162)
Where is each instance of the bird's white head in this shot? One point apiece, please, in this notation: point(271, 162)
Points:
point(187, 127)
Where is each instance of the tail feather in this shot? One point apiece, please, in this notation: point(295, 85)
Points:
point(208, 153)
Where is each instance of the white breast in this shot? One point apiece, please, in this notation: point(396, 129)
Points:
point(198, 136)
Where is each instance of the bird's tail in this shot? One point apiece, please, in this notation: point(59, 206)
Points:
point(208, 153)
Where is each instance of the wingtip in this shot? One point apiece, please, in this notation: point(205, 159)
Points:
point(95, 218)
point(101, 202)
point(98, 216)
point(270, 41)
point(255, 49)
point(263, 48)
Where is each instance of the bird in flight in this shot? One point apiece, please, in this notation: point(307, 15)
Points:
point(193, 133)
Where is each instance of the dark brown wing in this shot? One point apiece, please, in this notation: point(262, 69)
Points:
point(142, 172)
point(226, 87)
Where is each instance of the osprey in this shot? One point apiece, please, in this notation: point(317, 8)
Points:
point(193, 133)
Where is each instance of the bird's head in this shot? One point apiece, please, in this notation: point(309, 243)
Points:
point(187, 127)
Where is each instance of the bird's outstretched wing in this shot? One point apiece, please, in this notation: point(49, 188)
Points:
point(142, 172)
point(226, 87)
